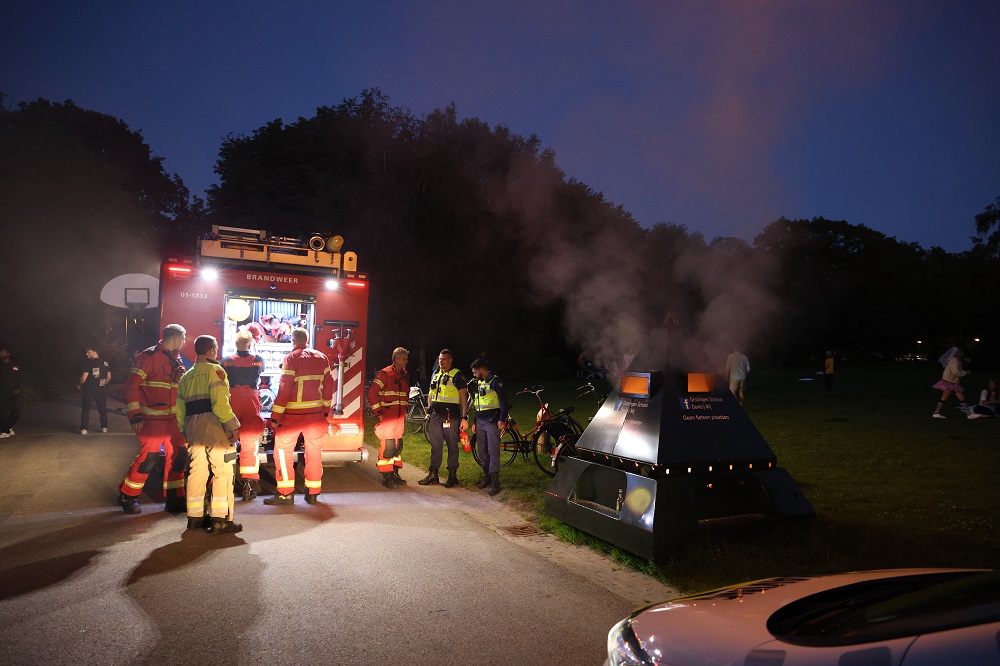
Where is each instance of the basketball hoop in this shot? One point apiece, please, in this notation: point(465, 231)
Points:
point(136, 299)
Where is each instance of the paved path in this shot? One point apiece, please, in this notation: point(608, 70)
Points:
point(368, 576)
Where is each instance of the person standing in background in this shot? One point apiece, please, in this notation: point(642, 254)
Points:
point(829, 373)
point(737, 370)
point(10, 393)
point(951, 361)
point(95, 377)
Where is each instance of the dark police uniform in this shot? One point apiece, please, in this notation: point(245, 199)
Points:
point(445, 418)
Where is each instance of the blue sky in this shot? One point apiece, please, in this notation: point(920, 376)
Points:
point(721, 116)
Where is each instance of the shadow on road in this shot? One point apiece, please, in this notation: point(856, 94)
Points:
point(43, 573)
point(200, 593)
point(193, 546)
point(41, 561)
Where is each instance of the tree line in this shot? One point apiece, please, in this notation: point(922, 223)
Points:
point(473, 238)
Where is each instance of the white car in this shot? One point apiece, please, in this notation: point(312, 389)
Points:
point(899, 617)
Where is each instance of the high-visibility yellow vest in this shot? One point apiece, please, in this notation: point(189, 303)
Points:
point(443, 387)
point(485, 398)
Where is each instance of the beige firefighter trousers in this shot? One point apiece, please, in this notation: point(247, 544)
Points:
point(218, 459)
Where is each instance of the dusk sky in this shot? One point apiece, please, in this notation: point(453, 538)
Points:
point(721, 116)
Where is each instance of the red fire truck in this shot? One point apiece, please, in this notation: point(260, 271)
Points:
point(241, 276)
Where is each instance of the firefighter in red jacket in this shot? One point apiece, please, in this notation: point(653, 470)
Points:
point(388, 396)
point(243, 371)
point(151, 404)
point(301, 406)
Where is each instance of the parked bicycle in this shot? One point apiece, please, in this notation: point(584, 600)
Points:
point(565, 444)
point(540, 441)
point(556, 439)
point(416, 412)
point(589, 389)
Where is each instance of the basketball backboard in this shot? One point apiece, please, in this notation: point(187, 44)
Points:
point(134, 291)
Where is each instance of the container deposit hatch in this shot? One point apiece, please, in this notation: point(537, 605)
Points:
point(665, 453)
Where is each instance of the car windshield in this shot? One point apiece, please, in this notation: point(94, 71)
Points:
point(889, 608)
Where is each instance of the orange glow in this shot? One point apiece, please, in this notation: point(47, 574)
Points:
point(700, 382)
point(179, 269)
point(635, 385)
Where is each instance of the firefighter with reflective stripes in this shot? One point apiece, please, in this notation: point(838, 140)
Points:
point(301, 406)
point(205, 417)
point(243, 371)
point(151, 404)
point(388, 396)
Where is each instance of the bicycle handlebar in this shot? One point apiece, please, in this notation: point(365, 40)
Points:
point(536, 392)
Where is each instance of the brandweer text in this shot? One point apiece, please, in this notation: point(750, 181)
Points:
point(272, 278)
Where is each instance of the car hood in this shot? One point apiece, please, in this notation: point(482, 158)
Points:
point(723, 626)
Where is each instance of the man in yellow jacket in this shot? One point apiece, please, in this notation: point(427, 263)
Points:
point(206, 418)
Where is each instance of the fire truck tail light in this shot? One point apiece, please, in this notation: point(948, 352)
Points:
point(179, 272)
point(332, 285)
point(355, 284)
point(210, 274)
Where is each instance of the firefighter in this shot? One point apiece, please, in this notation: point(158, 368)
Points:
point(447, 402)
point(388, 395)
point(243, 370)
point(489, 398)
point(301, 406)
point(205, 417)
point(151, 404)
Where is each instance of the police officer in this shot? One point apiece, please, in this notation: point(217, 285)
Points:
point(447, 402)
point(489, 399)
point(95, 376)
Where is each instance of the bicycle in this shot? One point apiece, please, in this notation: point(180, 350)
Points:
point(590, 389)
point(548, 427)
point(552, 430)
point(416, 412)
point(566, 443)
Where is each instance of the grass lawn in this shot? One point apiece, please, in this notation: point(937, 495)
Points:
point(891, 487)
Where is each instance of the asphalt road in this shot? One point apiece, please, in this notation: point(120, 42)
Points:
point(367, 576)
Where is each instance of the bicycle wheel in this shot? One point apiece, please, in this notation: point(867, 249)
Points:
point(566, 450)
point(426, 427)
point(509, 446)
point(475, 449)
point(416, 418)
point(544, 443)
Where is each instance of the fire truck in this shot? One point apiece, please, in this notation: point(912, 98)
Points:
point(242, 276)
